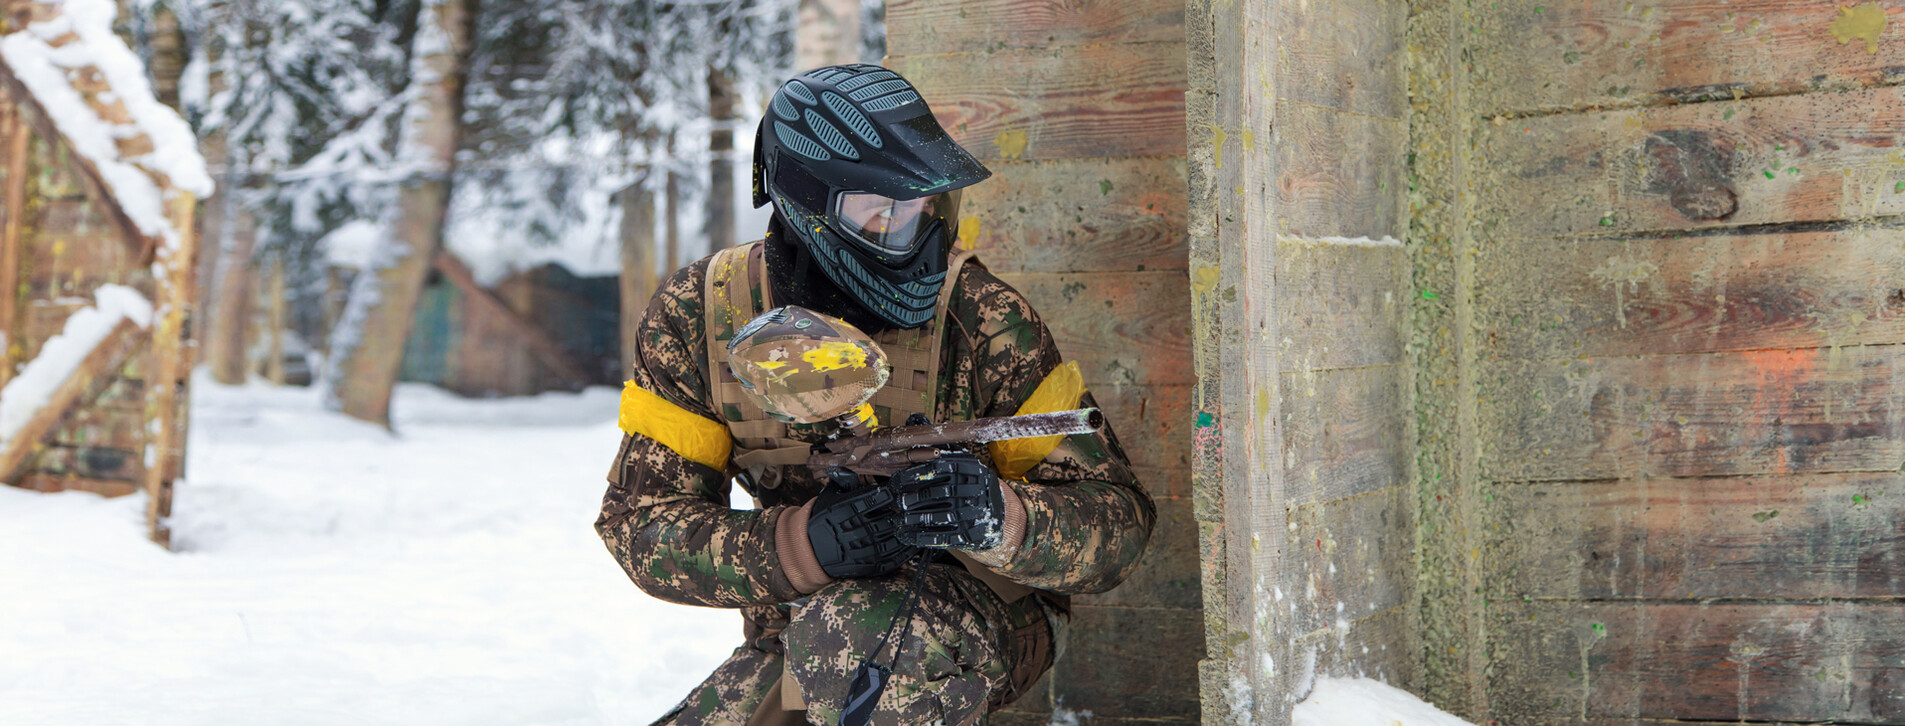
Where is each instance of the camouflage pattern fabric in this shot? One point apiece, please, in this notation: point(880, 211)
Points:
point(666, 520)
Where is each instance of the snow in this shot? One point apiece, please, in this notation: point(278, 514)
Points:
point(1366, 702)
point(44, 69)
point(62, 353)
point(330, 572)
point(354, 244)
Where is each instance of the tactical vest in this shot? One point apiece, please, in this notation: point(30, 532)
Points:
point(737, 291)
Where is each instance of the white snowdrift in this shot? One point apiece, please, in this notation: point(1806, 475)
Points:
point(44, 68)
point(332, 573)
point(1366, 702)
point(26, 393)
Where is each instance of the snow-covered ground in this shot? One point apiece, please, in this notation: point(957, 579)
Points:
point(1366, 702)
point(331, 573)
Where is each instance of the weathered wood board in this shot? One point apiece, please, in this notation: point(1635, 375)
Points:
point(1818, 536)
point(1336, 172)
point(1538, 55)
point(1345, 432)
point(930, 27)
point(1385, 646)
point(1122, 328)
point(1734, 292)
point(1153, 425)
point(1759, 412)
point(1805, 158)
point(1350, 58)
point(1092, 101)
point(1078, 215)
point(1340, 560)
point(1340, 305)
point(1118, 669)
point(1699, 661)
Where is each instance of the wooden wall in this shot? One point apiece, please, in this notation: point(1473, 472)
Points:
point(1670, 406)
point(1078, 108)
point(70, 240)
point(1300, 286)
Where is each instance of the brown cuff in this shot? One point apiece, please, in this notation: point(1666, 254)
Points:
point(1008, 548)
point(798, 561)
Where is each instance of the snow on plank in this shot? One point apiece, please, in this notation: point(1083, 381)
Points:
point(94, 341)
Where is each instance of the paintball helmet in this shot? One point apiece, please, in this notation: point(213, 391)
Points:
point(868, 182)
point(805, 367)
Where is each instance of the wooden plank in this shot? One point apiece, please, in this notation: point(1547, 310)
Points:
point(1344, 559)
point(1759, 412)
point(117, 427)
point(63, 173)
point(545, 349)
point(1153, 426)
point(1340, 305)
point(1806, 158)
point(1337, 173)
point(1534, 55)
point(15, 210)
point(1078, 215)
point(1345, 432)
point(1349, 57)
point(43, 482)
point(1569, 298)
point(1800, 537)
point(1710, 662)
point(87, 462)
point(1166, 577)
point(1089, 102)
point(1385, 646)
point(169, 366)
point(1122, 327)
point(928, 27)
point(1138, 662)
point(87, 377)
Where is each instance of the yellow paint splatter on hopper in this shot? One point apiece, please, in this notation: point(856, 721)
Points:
point(835, 355)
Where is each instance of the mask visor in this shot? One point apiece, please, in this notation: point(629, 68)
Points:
point(892, 226)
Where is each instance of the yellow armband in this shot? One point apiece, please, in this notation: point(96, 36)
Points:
point(696, 438)
point(1059, 391)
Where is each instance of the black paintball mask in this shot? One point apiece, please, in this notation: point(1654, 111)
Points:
point(867, 181)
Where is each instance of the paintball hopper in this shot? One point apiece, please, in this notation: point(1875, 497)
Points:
point(805, 367)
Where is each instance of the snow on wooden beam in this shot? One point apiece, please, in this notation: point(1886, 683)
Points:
point(95, 342)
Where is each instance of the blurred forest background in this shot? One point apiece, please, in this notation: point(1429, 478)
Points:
point(567, 153)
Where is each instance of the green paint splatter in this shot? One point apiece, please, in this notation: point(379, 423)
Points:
point(1104, 187)
point(1792, 170)
point(1766, 515)
point(1728, 116)
point(1607, 221)
point(1599, 628)
point(1204, 419)
point(1769, 174)
point(1429, 295)
point(1898, 188)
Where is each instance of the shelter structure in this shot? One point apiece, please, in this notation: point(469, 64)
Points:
point(96, 253)
point(1543, 359)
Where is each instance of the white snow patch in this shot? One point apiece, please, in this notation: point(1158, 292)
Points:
point(1366, 702)
point(27, 392)
point(44, 70)
point(333, 573)
point(354, 244)
point(1386, 241)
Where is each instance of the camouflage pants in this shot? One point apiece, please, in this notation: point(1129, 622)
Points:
point(968, 653)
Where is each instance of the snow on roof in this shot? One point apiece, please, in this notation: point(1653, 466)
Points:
point(62, 354)
point(95, 91)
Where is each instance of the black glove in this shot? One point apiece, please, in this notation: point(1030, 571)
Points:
point(853, 532)
point(952, 502)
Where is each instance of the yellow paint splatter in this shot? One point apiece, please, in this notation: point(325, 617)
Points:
point(969, 232)
point(1011, 143)
point(772, 365)
point(1205, 279)
point(1860, 22)
point(1217, 137)
point(1263, 403)
point(1250, 140)
point(834, 355)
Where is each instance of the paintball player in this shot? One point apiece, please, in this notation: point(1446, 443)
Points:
point(865, 187)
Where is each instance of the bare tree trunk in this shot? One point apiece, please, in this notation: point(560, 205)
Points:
point(275, 322)
point(671, 217)
point(721, 166)
point(828, 34)
point(227, 335)
point(368, 347)
point(638, 262)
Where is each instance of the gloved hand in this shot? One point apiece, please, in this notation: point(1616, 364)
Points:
point(952, 502)
point(853, 532)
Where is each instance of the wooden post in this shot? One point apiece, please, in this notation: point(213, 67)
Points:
point(275, 323)
point(168, 368)
point(384, 299)
point(638, 262)
point(17, 140)
point(720, 202)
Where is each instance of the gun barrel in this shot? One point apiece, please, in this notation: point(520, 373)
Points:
point(882, 443)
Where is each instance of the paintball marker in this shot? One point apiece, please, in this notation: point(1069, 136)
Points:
point(805, 367)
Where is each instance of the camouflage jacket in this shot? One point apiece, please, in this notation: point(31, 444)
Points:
point(666, 518)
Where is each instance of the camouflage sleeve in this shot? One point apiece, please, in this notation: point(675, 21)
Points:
point(665, 518)
point(1087, 516)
